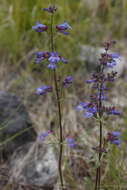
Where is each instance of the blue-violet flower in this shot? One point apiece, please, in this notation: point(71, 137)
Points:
point(63, 28)
point(43, 90)
point(43, 136)
point(50, 9)
point(71, 142)
point(68, 80)
point(40, 27)
point(40, 56)
point(114, 137)
point(54, 57)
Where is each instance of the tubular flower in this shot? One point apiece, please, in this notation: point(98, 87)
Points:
point(90, 110)
point(63, 60)
point(114, 137)
point(50, 9)
point(52, 66)
point(109, 60)
point(71, 142)
point(43, 136)
point(40, 27)
point(63, 28)
point(82, 106)
point(40, 56)
point(68, 80)
point(114, 112)
point(115, 55)
point(53, 59)
point(43, 90)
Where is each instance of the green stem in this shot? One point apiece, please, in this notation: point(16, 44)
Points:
point(98, 172)
point(59, 112)
point(60, 130)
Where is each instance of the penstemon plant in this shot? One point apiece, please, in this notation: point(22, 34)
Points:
point(96, 107)
point(54, 60)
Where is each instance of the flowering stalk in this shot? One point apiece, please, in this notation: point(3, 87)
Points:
point(54, 59)
point(98, 172)
point(59, 111)
point(96, 108)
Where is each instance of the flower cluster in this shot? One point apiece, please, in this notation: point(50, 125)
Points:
point(53, 59)
point(99, 80)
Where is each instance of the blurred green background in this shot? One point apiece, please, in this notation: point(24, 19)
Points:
point(92, 23)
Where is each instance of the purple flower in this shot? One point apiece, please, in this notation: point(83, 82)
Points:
point(114, 137)
point(71, 142)
point(68, 80)
point(40, 27)
point(43, 90)
point(88, 114)
point(115, 55)
point(92, 109)
point(116, 133)
point(117, 142)
point(90, 81)
point(63, 28)
point(43, 136)
point(112, 61)
point(52, 66)
point(64, 60)
point(44, 54)
point(40, 56)
point(50, 9)
point(111, 64)
point(82, 106)
point(39, 60)
point(79, 108)
point(114, 112)
point(54, 57)
point(85, 104)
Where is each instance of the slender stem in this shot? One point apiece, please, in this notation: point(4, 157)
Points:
point(52, 34)
point(100, 140)
point(96, 181)
point(98, 171)
point(60, 128)
point(59, 112)
point(100, 154)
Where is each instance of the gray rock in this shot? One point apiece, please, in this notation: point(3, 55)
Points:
point(90, 55)
point(34, 164)
point(15, 124)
